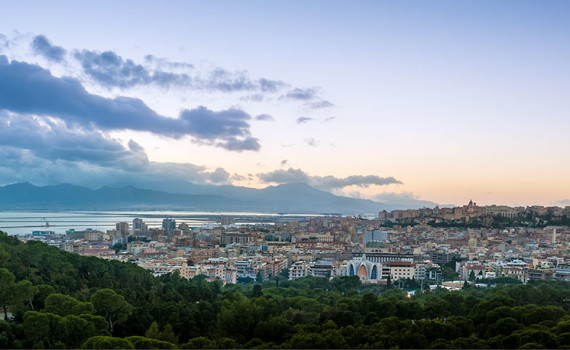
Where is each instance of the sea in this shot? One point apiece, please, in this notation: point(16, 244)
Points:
point(25, 222)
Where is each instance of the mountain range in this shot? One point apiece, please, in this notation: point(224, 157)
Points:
point(286, 198)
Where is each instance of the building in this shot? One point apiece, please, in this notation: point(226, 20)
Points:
point(379, 257)
point(168, 224)
point(367, 270)
point(122, 228)
point(298, 269)
point(228, 220)
point(374, 236)
point(188, 272)
point(321, 269)
point(139, 225)
point(399, 269)
point(515, 272)
point(562, 272)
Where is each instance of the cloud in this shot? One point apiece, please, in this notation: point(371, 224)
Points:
point(238, 177)
point(324, 182)
point(302, 120)
point(284, 162)
point(220, 175)
point(312, 142)
point(265, 117)
point(30, 89)
point(45, 151)
point(300, 94)
point(247, 144)
point(49, 139)
point(329, 119)
point(42, 46)
point(111, 70)
point(164, 62)
point(320, 104)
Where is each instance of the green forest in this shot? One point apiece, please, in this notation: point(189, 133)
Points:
point(53, 299)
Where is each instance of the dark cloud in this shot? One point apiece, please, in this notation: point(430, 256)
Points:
point(42, 46)
point(50, 140)
point(19, 165)
point(302, 120)
point(247, 144)
point(284, 162)
point(30, 89)
point(312, 142)
point(265, 117)
point(43, 151)
point(324, 182)
point(301, 94)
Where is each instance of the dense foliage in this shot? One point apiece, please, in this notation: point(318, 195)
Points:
point(53, 299)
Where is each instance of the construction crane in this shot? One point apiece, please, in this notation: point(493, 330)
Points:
point(46, 223)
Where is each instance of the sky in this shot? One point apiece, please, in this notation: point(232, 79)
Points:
point(445, 101)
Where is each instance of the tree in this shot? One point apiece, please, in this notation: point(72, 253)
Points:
point(449, 274)
point(103, 342)
point(147, 343)
point(257, 291)
point(4, 257)
point(168, 335)
point(152, 332)
point(25, 291)
point(472, 276)
point(199, 343)
point(112, 306)
point(64, 305)
point(36, 328)
point(258, 277)
point(6, 290)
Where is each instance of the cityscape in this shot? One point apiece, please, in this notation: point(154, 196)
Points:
point(428, 247)
point(323, 174)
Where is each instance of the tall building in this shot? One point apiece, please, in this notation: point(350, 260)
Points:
point(138, 224)
point(168, 224)
point(122, 228)
point(227, 220)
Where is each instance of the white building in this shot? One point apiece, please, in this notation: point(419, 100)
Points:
point(298, 269)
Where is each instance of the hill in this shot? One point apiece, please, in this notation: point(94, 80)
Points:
point(287, 198)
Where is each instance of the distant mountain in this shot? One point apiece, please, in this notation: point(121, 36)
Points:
point(65, 197)
point(286, 198)
point(294, 191)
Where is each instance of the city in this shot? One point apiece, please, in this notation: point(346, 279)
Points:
point(429, 247)
point(323, 174)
